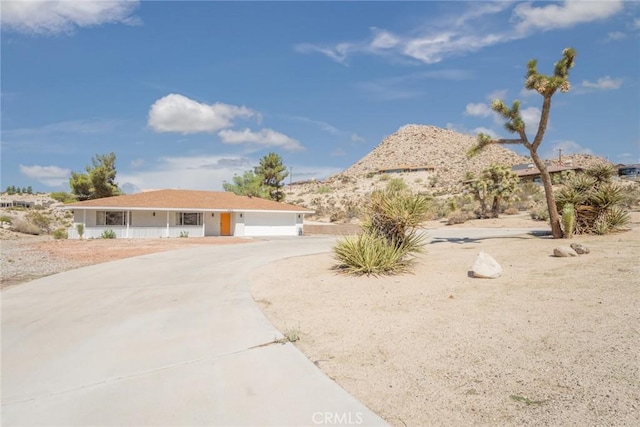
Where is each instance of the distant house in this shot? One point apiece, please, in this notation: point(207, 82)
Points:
point(405, 168)
point(528, 172)
point(172, 213)
point(629, 171)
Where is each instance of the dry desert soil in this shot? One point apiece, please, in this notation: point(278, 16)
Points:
point(553, 341)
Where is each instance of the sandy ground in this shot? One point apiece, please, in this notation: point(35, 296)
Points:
point(553, 341)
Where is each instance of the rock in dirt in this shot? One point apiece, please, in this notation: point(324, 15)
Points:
point(564, 251)
point(486, 267)
point(580, 248)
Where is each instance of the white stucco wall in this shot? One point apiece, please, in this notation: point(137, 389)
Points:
point(270, 224)
point(145, 224)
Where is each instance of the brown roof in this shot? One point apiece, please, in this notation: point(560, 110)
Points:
point(187, 200)
point(550, 169)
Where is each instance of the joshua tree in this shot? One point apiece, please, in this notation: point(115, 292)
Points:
point(497, 184)
point(545, 85)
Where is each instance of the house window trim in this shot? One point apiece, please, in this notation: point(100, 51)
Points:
point(101, 218)
point(180, 217)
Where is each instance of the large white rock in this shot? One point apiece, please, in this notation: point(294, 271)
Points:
point(486, 267)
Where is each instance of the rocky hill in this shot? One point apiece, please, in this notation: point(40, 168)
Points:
point(440, 152)
point(441, 149)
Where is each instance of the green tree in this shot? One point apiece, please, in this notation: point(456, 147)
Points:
point(273, 173)
point(546, 86)
point(248, 184)
point(496, 184)
point(99, 179)
point(29, 190)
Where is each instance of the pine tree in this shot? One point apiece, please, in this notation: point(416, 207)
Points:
point(273, 173)
point(99, 179)
point(546, 86)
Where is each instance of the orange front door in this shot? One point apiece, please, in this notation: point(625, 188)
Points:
point(225, 224)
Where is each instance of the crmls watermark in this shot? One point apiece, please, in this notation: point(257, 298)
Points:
point(337, 418)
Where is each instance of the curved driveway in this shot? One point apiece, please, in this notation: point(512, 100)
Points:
point(167, 339)
point(162, 339)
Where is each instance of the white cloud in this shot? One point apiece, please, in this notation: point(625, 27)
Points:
point(616, 35)
point(470, 29)
point(338, 152)
point(136, 163)
point(497, 94)
point(564, 15)
point(264, 137)
point(478, 110)
point(567, 147)
point(88, 126)
point(177, 113)
point(187, 172)
point(356, 138)
point(493, 134)
point(603, 83)
point(53, 176)
point(531, 118)
point(384, 40)
point(56, 16)
point(327, 127)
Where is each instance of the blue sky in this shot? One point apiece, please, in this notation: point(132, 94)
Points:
point(187, 94)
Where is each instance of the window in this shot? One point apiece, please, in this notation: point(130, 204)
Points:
point(189, 218)
point(111, 218)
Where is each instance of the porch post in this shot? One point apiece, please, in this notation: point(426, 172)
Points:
point(128, 221)
point(167, 223)
point(84, 221)
point(203, 220)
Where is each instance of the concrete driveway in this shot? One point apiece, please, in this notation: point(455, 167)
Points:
point(168, 339)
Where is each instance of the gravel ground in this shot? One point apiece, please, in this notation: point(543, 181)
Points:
point(24, 257)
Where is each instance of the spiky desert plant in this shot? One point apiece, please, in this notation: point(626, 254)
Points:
point(568, 220)
point(599, 203)
point(389, 241)
point(601, 172)
point(369, 253)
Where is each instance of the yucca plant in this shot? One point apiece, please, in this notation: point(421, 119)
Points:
point(598, 203)
point(389, 240)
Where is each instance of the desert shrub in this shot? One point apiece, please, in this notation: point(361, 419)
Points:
point(108, 234)
point(512, 210)
point(598, 203)
point(184, 234)
point(60, 234)
point(336, 216)
point(540, 213)
point(39, 219)
point(324, 189)
point(457, 217)
point(80, 229)
point(5, 219)
point(396, 184)
point(370, 175)
point(385, 177)
point(631, 192)
point(26, 227)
